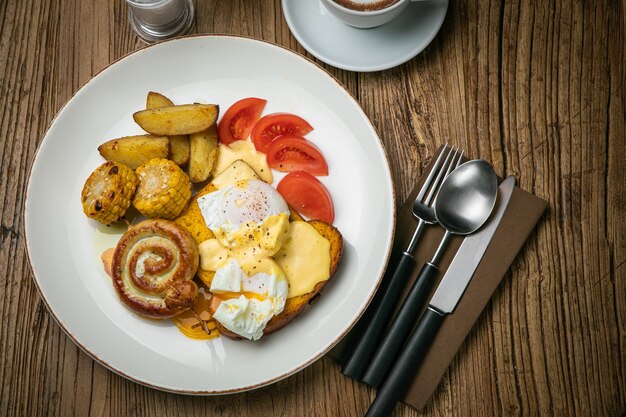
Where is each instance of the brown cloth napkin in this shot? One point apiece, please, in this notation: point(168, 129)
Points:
point(521, 216)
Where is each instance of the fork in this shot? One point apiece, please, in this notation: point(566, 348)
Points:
point(356, 364)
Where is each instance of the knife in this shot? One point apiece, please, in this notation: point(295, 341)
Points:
point(443, 302)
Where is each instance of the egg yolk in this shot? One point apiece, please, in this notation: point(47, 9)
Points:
point(229, 295)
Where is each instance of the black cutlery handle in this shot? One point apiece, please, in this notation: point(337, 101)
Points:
point(401, 326)
point(402, 373)
point(355, 365)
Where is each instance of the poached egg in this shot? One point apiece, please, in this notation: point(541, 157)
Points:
point(260, 297)
point(249, 215)
point(250, 221)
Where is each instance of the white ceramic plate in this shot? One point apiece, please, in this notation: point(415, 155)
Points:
point(64, 246)
point(364, 50)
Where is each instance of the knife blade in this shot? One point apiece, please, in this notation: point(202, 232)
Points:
point(443, 302)
point(469, 255)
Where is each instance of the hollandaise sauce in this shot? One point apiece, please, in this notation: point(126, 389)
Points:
point(244, 150)
point(197, 322)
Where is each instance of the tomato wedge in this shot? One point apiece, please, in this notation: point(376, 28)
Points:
point(237, 122)
point(277, 124)
point(307, 195)
point(294, 153)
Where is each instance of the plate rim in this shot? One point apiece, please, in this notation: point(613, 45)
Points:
point(360, 68)
point(266, 382)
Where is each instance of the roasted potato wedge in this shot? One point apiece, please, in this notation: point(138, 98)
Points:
point(156, 100)
point(133, 151)
point(203, 148)
point(177, 120)
point(179, 149)
point(179, 144)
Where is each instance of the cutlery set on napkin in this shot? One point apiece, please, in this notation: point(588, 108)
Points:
point(463, 199)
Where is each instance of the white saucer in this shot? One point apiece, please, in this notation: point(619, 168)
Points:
point(364, 50)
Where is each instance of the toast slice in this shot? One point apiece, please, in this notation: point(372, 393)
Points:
point(192, 220)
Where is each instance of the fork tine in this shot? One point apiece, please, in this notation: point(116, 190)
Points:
point(440, 176)
point(453, 165)
point(460, 158)
point(432, 173)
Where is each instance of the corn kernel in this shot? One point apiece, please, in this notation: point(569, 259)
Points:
point(164, 189)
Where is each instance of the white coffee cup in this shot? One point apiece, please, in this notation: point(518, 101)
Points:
point(366, 19)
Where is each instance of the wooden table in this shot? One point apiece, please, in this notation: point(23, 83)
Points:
point(538, 88)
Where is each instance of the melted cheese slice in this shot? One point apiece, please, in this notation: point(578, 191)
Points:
point(304, 258)
point(244, 150)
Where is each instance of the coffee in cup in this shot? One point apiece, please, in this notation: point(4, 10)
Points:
point(365, 13)
point(365, 5)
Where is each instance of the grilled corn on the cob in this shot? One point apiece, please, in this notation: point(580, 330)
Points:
point(164, 189)
point(108, 191)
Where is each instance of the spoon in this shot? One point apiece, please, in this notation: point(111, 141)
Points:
point(464, 203)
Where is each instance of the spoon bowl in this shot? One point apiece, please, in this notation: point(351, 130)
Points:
point(467, 197)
